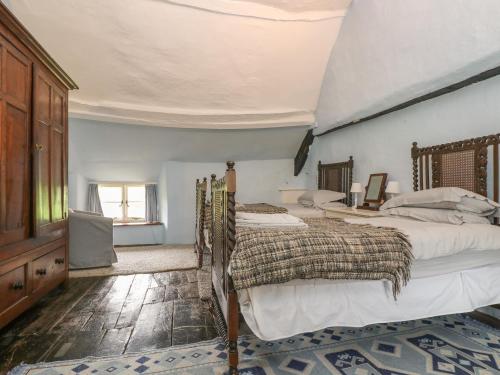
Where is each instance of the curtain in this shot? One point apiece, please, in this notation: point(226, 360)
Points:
point(93, 201)
point(151, 203)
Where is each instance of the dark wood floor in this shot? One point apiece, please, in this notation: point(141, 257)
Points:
point(108, 316)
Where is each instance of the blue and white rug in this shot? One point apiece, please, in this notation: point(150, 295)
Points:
point(452, 344)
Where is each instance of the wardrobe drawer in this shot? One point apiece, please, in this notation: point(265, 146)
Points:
point(49, 268)
point(12, 287)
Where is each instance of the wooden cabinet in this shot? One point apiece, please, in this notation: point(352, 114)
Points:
point(33, 169)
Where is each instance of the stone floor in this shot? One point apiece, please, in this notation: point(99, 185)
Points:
point(108, 316)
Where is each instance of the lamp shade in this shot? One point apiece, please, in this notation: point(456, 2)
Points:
point(356, 187)
point(393, 187)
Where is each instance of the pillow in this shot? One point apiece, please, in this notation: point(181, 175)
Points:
point(318, 197)
point(328, 205)
point(306, 199)
point(437, 215)
point(451, 198)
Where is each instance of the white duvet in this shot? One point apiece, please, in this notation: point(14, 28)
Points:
point(268, 220)
point(441, 283)
point(432, 240)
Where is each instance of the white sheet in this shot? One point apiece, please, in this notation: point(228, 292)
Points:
point(457, 269)
point(432, 240)
point(310, 305)
point(298, 210)
point(268, 220)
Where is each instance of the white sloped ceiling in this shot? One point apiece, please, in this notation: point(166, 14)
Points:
point(391, 51)
point(215, 64)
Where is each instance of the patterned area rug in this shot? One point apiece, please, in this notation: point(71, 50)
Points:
point(452, 344)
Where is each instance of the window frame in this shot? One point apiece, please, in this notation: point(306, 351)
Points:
point(124, 202)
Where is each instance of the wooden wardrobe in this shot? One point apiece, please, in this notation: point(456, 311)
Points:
point(33, 169)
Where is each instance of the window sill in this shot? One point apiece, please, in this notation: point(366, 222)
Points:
point(136, 224)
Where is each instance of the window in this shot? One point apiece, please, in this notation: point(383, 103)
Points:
point(123, 202)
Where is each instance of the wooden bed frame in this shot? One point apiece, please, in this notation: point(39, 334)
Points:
point(201, 197)
point(225, 307)
point(337, 177)
point(462, 164)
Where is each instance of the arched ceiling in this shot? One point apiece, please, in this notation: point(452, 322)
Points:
point(214, 64)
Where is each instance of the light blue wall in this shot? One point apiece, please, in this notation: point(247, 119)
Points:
point(383, 144)
point(103, 152)
point(257, 181)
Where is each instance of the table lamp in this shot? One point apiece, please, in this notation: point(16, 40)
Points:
point(355, 189)
point(392, 188)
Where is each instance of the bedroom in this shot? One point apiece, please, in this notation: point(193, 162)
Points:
point(165, 102)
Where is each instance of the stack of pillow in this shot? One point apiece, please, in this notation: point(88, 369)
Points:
point(322, 199)
point(443, 205)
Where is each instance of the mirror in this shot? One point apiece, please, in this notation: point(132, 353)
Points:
point(375, 188)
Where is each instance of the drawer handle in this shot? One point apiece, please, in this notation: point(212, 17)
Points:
point(39, 147)
point(59, 260)
point(17, 285)
point(41, 271)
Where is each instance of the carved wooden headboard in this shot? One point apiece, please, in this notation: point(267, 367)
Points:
point(336, 177)
point(458, 164)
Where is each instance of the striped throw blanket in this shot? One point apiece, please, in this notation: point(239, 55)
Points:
point(256, 208)
point(327, 249)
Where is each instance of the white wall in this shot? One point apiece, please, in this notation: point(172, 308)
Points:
point(257, 181)
point(77, 188)
point(391, 51)
point(383, 144)
point(138, 235)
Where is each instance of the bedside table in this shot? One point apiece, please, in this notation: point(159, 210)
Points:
point(349, 212)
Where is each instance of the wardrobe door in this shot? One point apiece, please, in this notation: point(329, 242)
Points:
point(49, 136)
point(58, 156)
point(15, 100)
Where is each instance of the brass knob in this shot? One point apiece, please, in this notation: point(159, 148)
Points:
point(39, 147)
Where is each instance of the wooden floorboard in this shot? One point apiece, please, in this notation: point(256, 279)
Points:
point(106, 316)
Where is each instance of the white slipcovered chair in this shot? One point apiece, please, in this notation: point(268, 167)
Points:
point(90, 240)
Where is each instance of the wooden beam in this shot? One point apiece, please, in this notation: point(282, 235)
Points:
point(301, 157)
point(434, 94)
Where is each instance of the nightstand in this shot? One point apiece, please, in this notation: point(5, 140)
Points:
point(349, 212)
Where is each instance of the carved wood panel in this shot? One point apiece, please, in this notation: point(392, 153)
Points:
point(15, 109)
point(458, 164)
point(50, 133)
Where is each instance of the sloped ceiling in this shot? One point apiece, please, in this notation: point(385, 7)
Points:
point(391, 51)
point(215, 64)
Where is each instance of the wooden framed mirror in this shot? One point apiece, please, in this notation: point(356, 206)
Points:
point(376, 188)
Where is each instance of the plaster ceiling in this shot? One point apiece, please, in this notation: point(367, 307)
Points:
point(215, 64)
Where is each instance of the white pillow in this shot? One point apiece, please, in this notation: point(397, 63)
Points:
point(451, 198)
point(306, 199)
point(437, 215)
point(317, 198)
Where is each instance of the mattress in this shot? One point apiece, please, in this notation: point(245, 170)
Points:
point(298, 210)
point(457, 269)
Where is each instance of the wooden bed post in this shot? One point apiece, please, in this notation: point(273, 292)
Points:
point(232, 298)
point(414, 156)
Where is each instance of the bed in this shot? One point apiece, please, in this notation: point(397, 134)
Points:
point(332, 176)
point(454, 281)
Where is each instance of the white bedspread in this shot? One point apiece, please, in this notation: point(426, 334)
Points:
point(268, 220)
point(432, 240)
point(457, 269)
